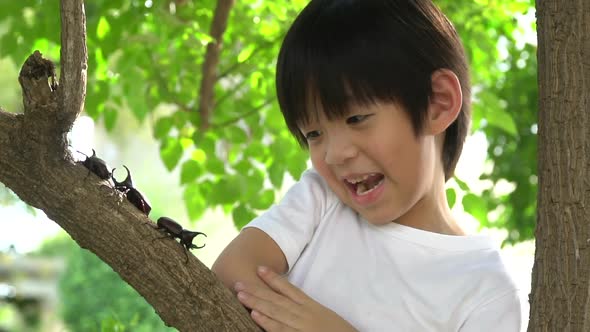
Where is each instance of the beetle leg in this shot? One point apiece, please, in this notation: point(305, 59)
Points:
point(185, 255)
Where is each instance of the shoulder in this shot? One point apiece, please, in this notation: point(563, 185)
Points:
point(496, 295)
point(293, 221)
point(493, 272)
point(311, 191)
point(313, 181)
point(502, 312)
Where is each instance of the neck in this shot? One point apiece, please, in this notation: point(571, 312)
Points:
point(432, 213)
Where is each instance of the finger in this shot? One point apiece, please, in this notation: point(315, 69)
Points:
point(271, 310)
point(269, 324)
point(265, 293)
point(281, 285)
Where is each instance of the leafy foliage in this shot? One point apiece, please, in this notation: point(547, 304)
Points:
point(115, 307)
point(504, 76)
point(147, 53)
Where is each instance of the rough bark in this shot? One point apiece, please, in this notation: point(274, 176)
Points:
point(560, 292)
point(36, 165)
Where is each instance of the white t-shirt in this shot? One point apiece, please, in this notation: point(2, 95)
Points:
point(392, 277)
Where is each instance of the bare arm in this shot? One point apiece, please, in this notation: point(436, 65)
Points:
point(250, 249)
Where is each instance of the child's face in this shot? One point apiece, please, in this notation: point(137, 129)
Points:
point(373, 160)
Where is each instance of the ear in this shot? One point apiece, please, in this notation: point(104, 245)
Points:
point(445, 102)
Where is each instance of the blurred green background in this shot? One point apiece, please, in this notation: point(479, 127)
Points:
point(144, 77)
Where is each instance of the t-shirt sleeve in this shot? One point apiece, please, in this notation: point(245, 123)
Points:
point(292, 222)
point(502, 314)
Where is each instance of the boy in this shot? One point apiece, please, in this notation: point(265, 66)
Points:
point(378, 91)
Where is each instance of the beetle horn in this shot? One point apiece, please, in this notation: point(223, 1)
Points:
point(80, 152)
point(128, 181)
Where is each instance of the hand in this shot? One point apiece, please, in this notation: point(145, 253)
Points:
point(285, 307)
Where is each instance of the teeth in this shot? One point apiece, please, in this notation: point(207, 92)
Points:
point(361, 188)
point(359, 179)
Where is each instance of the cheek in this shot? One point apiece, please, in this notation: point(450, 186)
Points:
point(317, 160)
point(320, 165)
point(407, 161)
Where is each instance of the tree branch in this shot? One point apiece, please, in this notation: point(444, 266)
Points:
point(218, 26)
point(9, 122)
point(6, 120)
point(242, 116)
point(186, 296)
point(74, 61)
point(36, 165)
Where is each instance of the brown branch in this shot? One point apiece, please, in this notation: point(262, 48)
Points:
point(243, 115)
point(186, 296)
point(235, 89)
point(206, 93)
point(74, 61)
point(9, 123)
point(36, 166)
point(6, 119)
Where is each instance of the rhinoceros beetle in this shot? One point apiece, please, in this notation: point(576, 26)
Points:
point(175, 230)
point(133, 195)
point(96, 165)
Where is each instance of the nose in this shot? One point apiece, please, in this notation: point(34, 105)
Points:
point(339, 150)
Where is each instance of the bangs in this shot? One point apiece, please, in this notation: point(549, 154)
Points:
point(344, 58)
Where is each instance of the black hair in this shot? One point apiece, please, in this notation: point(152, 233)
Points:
point(340, 53)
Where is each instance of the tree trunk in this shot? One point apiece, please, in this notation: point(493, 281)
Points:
point(560, 292)
point(36, 165)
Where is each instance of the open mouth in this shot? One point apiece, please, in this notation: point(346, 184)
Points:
point(364, 184)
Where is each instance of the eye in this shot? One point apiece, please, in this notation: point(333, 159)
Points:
point(357, 118)
point(311, 135)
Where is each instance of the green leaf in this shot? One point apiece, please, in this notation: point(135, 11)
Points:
point(451, 197)
point(235, 134)
point(110, 117)
point(246, 53)
point(501, 119)
point(199, 156)
point(242, 215)
point(276, 173)
point(476, 206)
point(194, 201)
point(297, 163)
point(263, 200)
point(190, 171)
point(255, 182)
point(103, 28)
point(162, 127)
point(254, 149)
point(171, 152)
point(111, 324)
point(214, 165)
point(206, 143)
point(243, 166)
point(180, 119)
point(255, 79)
point(225, 191)
point(461, 184)
point(203, 38)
